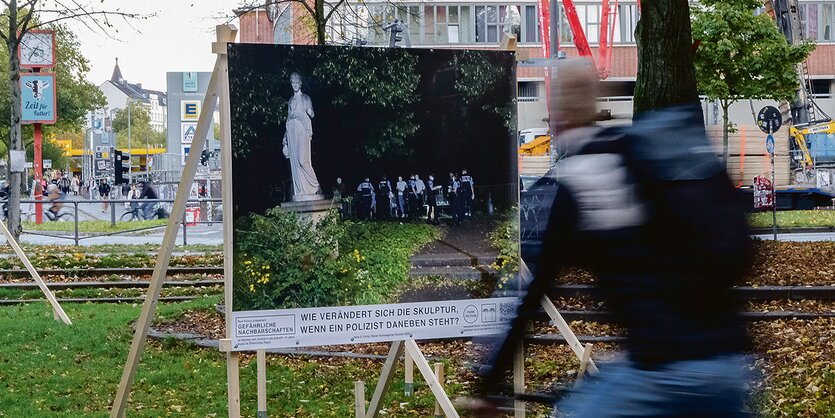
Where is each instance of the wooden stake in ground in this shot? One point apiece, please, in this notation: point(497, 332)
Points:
point(581, 372)
point(519, 380)
point(262, 383)
point(439, 374)
point(409, 375)
point(359, 399)
point(225, 33)
point(56, 308)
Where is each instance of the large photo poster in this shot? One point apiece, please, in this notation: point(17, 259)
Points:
point(350, 162)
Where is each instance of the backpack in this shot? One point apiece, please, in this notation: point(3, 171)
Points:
point(688, 190)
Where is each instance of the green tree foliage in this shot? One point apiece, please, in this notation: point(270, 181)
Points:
point(139, 117)
point(742, 56)
point(368, 82)
point(476, 78)
point(141, 132)
point(49, 151)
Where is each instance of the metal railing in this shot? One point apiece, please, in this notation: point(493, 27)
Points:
point(114, 206)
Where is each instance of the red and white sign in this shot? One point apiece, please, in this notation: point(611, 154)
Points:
point(763, 193)
point(192, 216)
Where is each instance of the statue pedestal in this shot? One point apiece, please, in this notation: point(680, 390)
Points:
point(314, 210)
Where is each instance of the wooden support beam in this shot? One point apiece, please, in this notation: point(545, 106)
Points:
point(558, 320)
point(429, 377)
point(385, 378)
point(56, 308)
point(225, 33)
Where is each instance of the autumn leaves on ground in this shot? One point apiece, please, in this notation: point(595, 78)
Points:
point(47, 368)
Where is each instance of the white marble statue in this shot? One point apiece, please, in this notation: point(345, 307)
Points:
point(296, 142)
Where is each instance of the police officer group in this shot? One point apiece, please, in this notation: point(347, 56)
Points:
point(416, 199)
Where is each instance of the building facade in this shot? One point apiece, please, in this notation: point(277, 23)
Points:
point(119, 92)
point(480, 24)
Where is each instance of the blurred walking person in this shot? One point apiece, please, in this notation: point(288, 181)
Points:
point(669, 242)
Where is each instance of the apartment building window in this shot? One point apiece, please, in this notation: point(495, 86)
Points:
point(817, 20)
point(455, 24)
point(590, 16)
point(627, 21)
point(528, 91)
point(446, 24)
point(521, 21)
point(532, 27)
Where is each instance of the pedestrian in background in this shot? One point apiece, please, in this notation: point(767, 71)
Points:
point(104, 193)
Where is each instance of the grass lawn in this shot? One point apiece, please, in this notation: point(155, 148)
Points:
point(794, 219)
point(48, 369)
point(92, 226)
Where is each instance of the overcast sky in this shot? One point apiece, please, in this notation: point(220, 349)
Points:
point(178, 38)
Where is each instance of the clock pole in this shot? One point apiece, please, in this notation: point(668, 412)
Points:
point(37, 165)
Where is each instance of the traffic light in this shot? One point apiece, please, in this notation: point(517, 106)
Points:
point(204, 157)
point(394, 34)
point(121, 167)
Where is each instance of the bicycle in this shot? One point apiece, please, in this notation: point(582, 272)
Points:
point(59, 216)
point(135, 214)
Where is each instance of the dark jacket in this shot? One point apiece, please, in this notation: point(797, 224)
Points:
point(148, 192)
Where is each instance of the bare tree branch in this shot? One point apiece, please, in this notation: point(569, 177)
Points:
point(333, 9)
point(88, 14)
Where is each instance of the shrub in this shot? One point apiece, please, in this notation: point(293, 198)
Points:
point(505, 238)
point(284, 261)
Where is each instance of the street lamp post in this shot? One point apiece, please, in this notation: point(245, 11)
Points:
point(130, 154)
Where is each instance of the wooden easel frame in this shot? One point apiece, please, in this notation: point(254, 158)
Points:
point(57, 311)
point(218, 89)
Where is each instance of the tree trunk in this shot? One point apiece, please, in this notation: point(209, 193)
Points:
point(320, 21)
point(15, 137)
point(725, 127)
point(666, 76)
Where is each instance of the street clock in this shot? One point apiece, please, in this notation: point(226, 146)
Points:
point(37, 49)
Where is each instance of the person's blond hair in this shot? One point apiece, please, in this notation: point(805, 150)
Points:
point(574, 93)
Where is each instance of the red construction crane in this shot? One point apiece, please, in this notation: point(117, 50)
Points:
point(607, 35)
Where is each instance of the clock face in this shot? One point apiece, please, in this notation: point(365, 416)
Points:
point(36, 50)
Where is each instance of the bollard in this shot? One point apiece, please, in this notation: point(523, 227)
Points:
point(185, 240)
point(113, 214)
